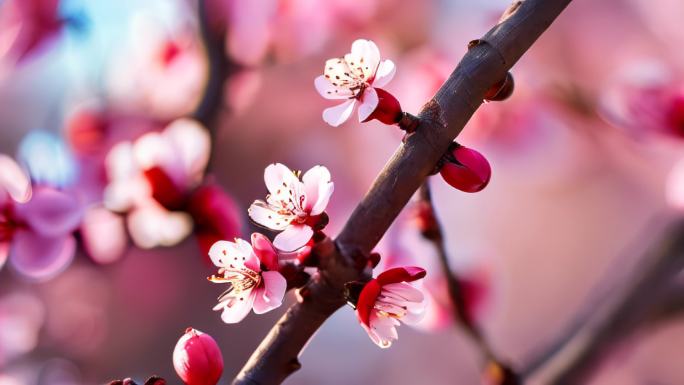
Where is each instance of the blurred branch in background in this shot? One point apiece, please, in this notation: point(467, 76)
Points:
point(643, 297)
point(441, 120)
point(432, 231)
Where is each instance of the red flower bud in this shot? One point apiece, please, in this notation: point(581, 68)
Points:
point(466, 169)
point(164, 190)
point(197, 358)
point(388, 110)
point(501, 90)
point(675, 116)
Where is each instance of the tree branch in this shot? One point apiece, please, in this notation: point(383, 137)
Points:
point(441, 120)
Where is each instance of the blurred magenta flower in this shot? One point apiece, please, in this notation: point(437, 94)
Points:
point(197, 358)
point(356, 77)
point(36, 233)
point(466, 169)
point(387, 299)
point(294, 207)
point(159, 181)
point(103, 234)
point(251, 270)
point(646, 99)
point(27, 26)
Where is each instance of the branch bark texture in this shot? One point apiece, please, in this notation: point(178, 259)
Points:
point(441, 120)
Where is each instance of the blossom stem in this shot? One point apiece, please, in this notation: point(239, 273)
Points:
point(460, 315)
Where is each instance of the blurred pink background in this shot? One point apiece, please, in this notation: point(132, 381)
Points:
point(577, 183)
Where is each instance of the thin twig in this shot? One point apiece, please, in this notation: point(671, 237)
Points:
point(441, 120)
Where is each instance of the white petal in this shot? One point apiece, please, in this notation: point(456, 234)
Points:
point(192, 145)
point(294, 237)
point(262, 214)
point(364, 58)
point(279, 179)
point(318, 188)
point(384, 74)
point(339, 114)
point(236, 308)
point(404, 291)
point(13, 180)
point(369, 103)
point(153, 226)
point(329, 91)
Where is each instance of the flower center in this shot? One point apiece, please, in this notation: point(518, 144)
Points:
point(239, 280)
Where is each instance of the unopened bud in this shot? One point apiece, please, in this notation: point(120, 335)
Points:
point(501, 90)
point(197, 358)
point(466, 169)
point(388, 110)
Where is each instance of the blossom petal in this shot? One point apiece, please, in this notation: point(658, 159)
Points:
point(385, 73)
point(262, 214)
point(382, 330)
point(14, 180)
point(401, 274)
point(294, 237)
point(152, 226)
point(235, 309)
point(318, 189)
point(369, 103)
point(263, 248)
point(403, 291)
point(278, 178)
point(39, 257)
point(327, 90)
point(364, 58)
point(270, 296)
point(51, 212)
point(192, 146)
point(103, 234)
point(339, 114)
point(228, 255)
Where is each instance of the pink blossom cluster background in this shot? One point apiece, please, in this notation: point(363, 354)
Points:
point(585, 157)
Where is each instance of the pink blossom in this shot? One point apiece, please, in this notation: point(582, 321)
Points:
point(197, 358)
point(355, 77)
point(251, 270)
point(294, 207)
point(26, 26)
point(388, 299)
point(159, 181)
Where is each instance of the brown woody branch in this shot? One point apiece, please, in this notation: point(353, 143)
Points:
point(441, 120)
point(645, 296)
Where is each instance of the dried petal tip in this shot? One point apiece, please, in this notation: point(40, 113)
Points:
point(501, 90)
point(197, 358)
point(388, 110)
point(466, 169)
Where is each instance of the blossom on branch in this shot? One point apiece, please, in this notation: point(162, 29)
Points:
point(295, 207)
point(251, 271)
point(466, 169)
point(357, 77)
point(197, 358)
point(386, 300)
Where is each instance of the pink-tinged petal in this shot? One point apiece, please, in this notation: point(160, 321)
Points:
point(366, 302)
point(13, 180)
point(263, 215)
point(329, 91)
point(385, 73)
point(104, 235)
point(382, 330)
point(675, 186)
point(264, 250)
point(403, 291)
point(225, 253)
point(271, 295)
point(251, 261)
point(294, 237)
point(401, 274)
point(337, 115)
point(235, 309)
point(39, 257)
point(192, 146)
point(51, 212)
point(300, 254)
point(279, 178)
point(369, 102)
point(153, 226)
point(364, 58)
point(317, 188)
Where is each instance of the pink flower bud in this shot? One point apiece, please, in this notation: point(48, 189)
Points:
point(197, 358)
point(466, 169)
point(388, 110)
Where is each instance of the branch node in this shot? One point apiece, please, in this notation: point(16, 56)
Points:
point(408, 122)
